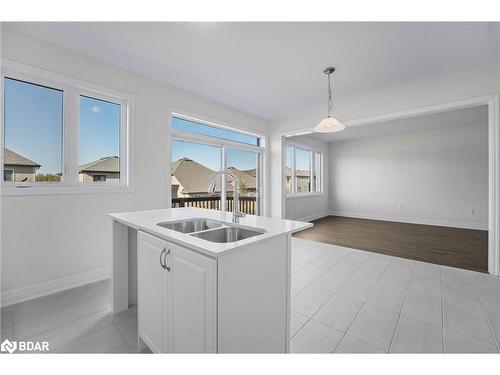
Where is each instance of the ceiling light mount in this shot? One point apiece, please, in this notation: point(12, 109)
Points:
point(329, 70)
point(329, 124)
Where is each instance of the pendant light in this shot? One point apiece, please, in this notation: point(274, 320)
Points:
point(329, 124)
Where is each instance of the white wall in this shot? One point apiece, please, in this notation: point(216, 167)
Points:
point(311, 207)
point(54, 236)
point(435, 175)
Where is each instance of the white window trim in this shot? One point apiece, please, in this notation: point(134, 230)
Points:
point(312, 162)
point(72, 89)
point(225, 145)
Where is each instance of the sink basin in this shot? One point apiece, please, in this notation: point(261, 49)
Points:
point(190, 226)
point(227, 234)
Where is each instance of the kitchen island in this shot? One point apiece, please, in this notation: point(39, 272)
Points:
point(202, 283)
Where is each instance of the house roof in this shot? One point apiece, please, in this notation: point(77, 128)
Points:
point(13, 158)
point(298, 173)
point(195, 177)
point(107, 164)
point(251, 172)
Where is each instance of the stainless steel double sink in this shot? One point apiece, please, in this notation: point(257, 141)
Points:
point(211, 230)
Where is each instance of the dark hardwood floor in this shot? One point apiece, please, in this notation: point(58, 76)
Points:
point(455, 247)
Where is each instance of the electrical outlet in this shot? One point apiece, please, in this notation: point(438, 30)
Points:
point(400, 206)
point(471, 211)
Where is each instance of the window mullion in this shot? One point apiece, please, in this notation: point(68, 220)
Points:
point(223, 193)
point(70, 131)
point(294, 187)
point(312, 172)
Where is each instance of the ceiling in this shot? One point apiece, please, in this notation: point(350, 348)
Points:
point(274, 70)
point(454, 118)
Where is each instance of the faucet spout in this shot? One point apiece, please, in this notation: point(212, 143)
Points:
point(236, 185)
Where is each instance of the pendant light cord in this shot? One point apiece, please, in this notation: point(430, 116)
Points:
point(330, 101)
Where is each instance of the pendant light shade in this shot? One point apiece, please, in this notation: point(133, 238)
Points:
point(329, 124)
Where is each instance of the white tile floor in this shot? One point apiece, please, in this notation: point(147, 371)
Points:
point(343, 301)
point(352, 301)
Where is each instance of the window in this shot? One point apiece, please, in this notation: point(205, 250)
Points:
point(303, 171)
point(62, 135)
point(33, 118)
point(186, 125)
point(99, 140)
point(99, 178)
point(200, 150)
point(8, 175)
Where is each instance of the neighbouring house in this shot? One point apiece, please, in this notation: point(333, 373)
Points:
point(17, 168)
point(303, 180)
point(191, 179)
point(106, 169)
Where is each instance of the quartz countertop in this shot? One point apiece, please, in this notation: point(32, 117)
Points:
point(147, 221)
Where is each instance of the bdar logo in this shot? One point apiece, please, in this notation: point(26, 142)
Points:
point(8, 346)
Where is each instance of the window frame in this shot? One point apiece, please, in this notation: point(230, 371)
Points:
point(314, 182)
point(225, 145)
point(70, 136)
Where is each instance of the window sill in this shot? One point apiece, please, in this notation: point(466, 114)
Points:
point(8, 191)
point(303, 195)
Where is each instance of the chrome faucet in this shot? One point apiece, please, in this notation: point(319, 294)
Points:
point(236, 185)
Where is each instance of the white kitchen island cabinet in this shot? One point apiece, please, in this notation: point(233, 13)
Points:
point(177, 299)
point(199, 296)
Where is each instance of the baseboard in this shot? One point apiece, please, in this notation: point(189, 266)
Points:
point(411, 220)
point(313, 217)
point(12, 297)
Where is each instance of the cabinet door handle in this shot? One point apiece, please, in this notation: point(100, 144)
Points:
point(166, 254)
point(161, 258)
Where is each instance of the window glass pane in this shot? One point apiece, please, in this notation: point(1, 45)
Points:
point(193, 166)
point(245, 164)
point(33, 132)
point(212, 131)
point(99, 141)
point(288, 169)
point(302, 171)
point(318, 160)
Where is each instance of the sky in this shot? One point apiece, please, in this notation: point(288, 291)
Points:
point(33, 125)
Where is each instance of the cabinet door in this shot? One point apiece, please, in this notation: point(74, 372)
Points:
point(192, 302)
point(151, 292)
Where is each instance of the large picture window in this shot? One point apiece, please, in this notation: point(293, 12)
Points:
point(303, 171)
point(199, 151)
point(62, 135)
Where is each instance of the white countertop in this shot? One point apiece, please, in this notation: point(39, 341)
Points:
point(148, 220)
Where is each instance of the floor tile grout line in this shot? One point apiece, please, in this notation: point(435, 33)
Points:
point(364, 303)
point(59, 326)
point(66, 323)
point(312, 282)
point(73, 321)
point(316, 279)
point(485, 315)
point(400, 311)
point(312, 248)
point(121, 334)
point(334, 293)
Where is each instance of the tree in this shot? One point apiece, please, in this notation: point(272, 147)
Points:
point(47, 177)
